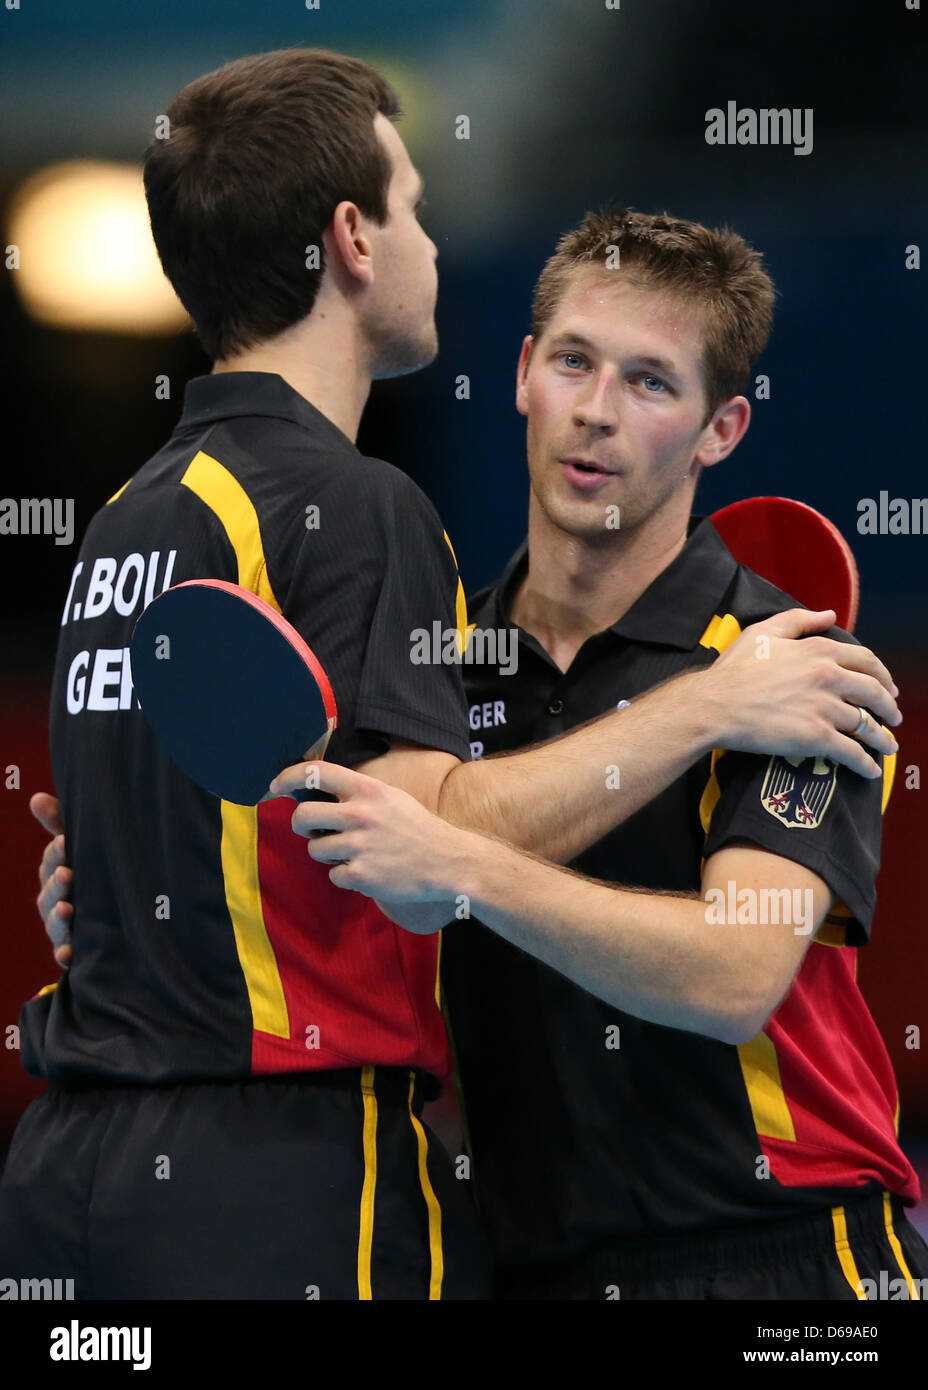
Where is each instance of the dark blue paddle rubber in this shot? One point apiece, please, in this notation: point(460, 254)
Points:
point(228, 696)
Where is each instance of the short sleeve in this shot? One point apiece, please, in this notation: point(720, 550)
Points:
point(378, 574)
point(810, 810)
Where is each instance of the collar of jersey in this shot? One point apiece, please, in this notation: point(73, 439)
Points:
point(676, 607)
point(223, 395)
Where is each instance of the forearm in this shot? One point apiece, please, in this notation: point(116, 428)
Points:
point(560, 797)
point(652, 955)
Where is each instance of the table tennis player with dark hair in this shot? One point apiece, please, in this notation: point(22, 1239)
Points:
point(673, 1086)
point(239, 1052)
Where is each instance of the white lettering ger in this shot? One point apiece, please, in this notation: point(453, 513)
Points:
point(110, 681)
point(77, 682)
point(487, 715)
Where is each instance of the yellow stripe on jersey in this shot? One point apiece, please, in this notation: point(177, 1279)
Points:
point(833, 931)
point(47, 989)
point(721, 632)
point(845, 1254)
point(897, 1248)
point(117, 495)
point(436, 1254)
point(239, 853)
point(368, 1187)
point(711, 792)
point(224, 495)
point(228, 500)
point(830, 934)
point(761, 1072)
point(464, 629)
point(758, 1058)
point(889, 773)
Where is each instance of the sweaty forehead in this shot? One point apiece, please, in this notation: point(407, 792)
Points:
point(603, 302)
point(616, 292)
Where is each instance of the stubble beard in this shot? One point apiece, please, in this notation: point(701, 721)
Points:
point(401, 354)
point(587, 522)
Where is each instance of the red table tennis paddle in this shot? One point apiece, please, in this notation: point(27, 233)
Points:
point(230, 688)
point(797, 549)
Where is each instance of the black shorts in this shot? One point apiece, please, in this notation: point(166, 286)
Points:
point(309, 1185)
point(866, 1249)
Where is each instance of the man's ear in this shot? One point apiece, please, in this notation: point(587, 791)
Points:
point(724, 431)
point(348, 248)
point(522, 373)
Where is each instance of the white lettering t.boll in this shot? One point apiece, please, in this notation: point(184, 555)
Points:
point(128, 585)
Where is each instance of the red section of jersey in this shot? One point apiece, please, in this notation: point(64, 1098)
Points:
point(359, 989)
point(838, 1082)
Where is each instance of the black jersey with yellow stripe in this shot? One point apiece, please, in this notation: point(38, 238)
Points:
point(206, 942)
point(589, 1125)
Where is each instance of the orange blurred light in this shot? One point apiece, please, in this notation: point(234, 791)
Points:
point(86, 256)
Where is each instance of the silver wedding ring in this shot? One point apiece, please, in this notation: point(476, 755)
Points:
point(864, 720)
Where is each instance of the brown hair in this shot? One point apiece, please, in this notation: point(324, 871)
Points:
point(257, 156)
point(712, 269)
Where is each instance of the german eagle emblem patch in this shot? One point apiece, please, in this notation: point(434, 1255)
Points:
point(798, 790)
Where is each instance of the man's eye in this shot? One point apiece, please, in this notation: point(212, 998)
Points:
point(656, 381)
point(572, 359)
point(419, 207)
